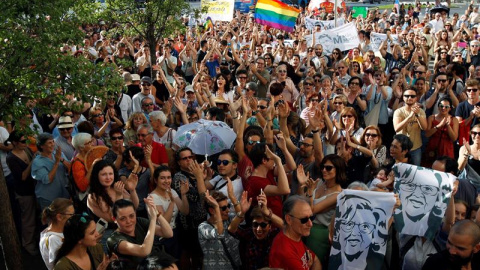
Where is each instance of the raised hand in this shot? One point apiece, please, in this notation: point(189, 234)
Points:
point(210, 200)
point(184, 187)
point(245, 203)
point(119, 186)
point(131, 182)
point(301, 176)
point(280, 141)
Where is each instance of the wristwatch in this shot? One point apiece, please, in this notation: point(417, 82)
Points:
point(240, 214)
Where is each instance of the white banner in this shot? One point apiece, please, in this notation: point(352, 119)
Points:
point(218, 10)
point(424, 194)
point(325, 25)
point(344, 37)
point(360, 229)
point(376, 40)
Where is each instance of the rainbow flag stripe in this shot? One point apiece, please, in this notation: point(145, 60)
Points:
point(276, 14)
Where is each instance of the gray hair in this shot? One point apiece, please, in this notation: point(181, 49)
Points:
point(79, 140)
point(147, 127)
point(358, 185)
point(158, 115)
point(290, 203)
point(42, 139)
point(127, 77)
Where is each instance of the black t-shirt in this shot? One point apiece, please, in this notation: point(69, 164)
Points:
point(141, 229)
point(162, 91)
point(133, 89)
point(200, 55)
point(441, 261)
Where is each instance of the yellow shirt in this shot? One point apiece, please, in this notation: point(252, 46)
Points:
point(411, 129)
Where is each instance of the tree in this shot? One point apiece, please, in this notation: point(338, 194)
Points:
point(32, 67)
point(151, 20)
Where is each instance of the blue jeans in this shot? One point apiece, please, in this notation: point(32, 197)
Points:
point(416, 156)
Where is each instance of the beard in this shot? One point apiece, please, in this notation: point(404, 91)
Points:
point(459, 261)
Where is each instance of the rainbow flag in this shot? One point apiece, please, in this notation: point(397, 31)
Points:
point(208, 24)
point(276, 14)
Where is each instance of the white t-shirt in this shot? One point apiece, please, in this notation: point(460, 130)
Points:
point(164, 202)
point(50, 243)
point(220, 185)
point(166, 139)
point(3, 154)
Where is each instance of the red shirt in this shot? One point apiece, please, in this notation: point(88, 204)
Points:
point(256, 183)
point(289, 254)
point(159, 154)
point(245, 169)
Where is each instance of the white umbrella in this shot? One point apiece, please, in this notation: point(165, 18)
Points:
point(205, 137)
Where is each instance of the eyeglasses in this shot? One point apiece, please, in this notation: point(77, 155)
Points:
point(371, 135)
point(250, 142)
point(426, 189)
point(335, 53)
point(64, 129)
point(282, 71)
point(365, 228)
point(304, 144)
point(326, 167)
point(338, 103)
point(98, 115)
point(242, 78)
point(225, 207)
point(262, 225)
point(341, 67)
point(142, 135)
point(419, 72)
point(474, 133)
point(146, 84)
point(305, 219)
point(147, 104)
point(314, 100)
point(409, 96)
point(224, 162)
point(354, 83)
point(23, 141)
point(347, 116)
point(261, 107)
point(475, 45)
point(378, 75)
point(187, 157)
point(318, 80)
point(443, 52)
point(442, 66)
point(442, 80)
point(308, 84)
point(444, 106)
point(472, 89)
point(118, 138)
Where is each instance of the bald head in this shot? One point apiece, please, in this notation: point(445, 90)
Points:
point(469, 228)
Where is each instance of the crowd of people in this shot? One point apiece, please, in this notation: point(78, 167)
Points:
point(308, 124)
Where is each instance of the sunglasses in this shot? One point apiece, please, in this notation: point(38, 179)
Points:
point(326, 167)
point(118, 138)
point(282, 71)
point(335, 53)
point(23, 141)
point(317, 80)
point(443, 52)
point(442, 66)
point(146, 84)
point(409, 96)
point(98, 115)
point(224, 208)
point(419, 72)
point(305, 219)
point(147, 104)
point(262, 225)
point(442, 81)
point(472, 89)
point(338, 103)
point(262, 107)
point(224, 162)
point(474, 133)
point(305, 144)
point(444, 106)
point(371, 135)
point(242, 78)
point(63, 129)
point(306, 84)
point(347, 116)
point(250, 142)
point(187, 157)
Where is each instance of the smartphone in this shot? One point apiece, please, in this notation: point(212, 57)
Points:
point(101, 226)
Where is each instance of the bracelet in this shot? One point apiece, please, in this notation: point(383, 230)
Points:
point(240, 215)
point(315, 131)
point(235, 204)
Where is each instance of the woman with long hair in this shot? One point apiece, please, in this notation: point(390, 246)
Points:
point(51, 238)
point(442, 131)
point(168, 204)
point(322, 195)
point(19, 161)
point(336, 57)
point(80, 249)
point(221, 88)
point(349, 120)
point(106, 188)
point(130, 133)
point(102, 123)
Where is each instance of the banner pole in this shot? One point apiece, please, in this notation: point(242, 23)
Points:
point(335, 12)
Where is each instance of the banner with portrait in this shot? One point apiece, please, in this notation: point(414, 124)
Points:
point(344, 37)
point(376, 40)
point(218, 10)
point(361, 229)
point(325, 25)
point(424, 194)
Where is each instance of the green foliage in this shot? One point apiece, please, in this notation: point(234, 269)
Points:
point(32, 65)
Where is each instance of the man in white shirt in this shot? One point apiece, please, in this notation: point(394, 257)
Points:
point(146, 83)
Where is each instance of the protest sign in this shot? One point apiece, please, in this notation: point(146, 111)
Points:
point(325, 25)
point(376, 40)
point(344, 37)
point(360, 229)
point(218, 10)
